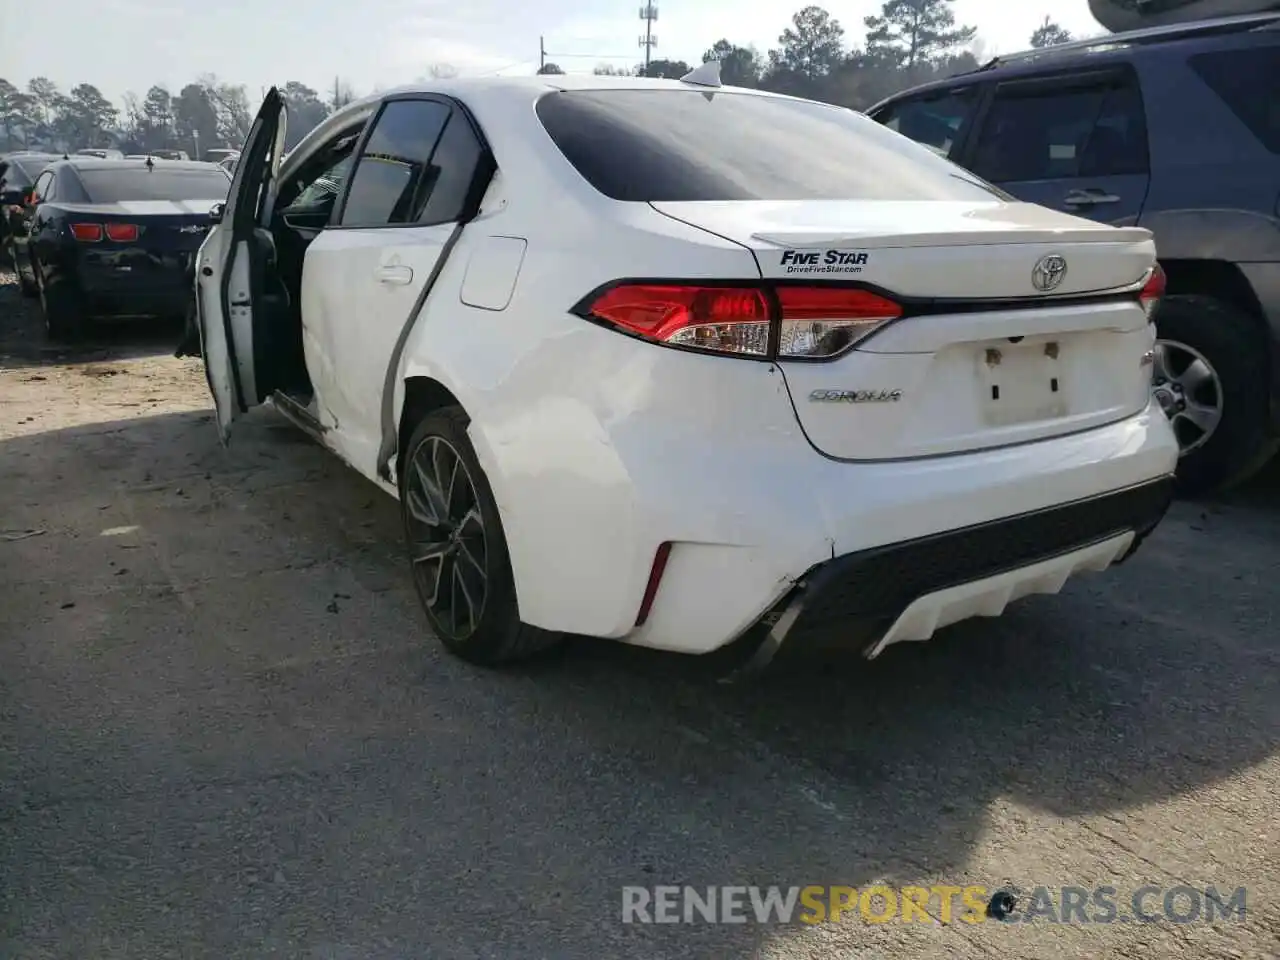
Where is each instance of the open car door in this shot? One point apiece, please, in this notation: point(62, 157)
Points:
point(235, 274)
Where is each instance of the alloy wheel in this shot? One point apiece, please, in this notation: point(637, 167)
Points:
point(448, 543)
point(1189, 392)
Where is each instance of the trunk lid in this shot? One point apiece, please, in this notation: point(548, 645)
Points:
point(1024, 353)
point(164, 226)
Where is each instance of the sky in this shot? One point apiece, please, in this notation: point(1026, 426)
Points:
point(129, 45)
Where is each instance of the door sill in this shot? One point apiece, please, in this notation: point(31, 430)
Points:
point(297, 413)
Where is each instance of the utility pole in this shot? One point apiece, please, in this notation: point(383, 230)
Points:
point(649, 14)
point(542, 53)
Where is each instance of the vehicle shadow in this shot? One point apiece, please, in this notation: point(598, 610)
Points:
point(24, 343)
point(510, 806)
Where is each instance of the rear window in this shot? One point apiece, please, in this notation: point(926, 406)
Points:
point(113, 186)
point(1247, 81)
point(678, 145)
point(22, 171)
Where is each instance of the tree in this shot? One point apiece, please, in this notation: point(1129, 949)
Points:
point(131, 123)
point(231, 104)
point(306, 111)
point(608, 70)
point(811, 48)
point(195, 120)
point(550, 68)
point(739, 66)
point(1049, 34)
point(666, 69)
point(442, 71)
point(44, 93)
point(87, 115)
point(155, 129)
point(915, 33)
point(14, 105)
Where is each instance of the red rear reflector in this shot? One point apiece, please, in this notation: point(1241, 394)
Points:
point(1153, 290)
point(655, 578)
point(122, 232)
point(87, 232)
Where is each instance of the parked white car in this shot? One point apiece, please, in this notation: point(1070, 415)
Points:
point(686, 366)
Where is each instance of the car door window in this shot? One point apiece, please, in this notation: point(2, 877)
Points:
point(393, 178)
point(936, 122)
point(327, 186)
point(1247, 81)
point(41, 187)
point(1041, 133)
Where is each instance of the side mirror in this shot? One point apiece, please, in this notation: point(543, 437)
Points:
point(216, 212)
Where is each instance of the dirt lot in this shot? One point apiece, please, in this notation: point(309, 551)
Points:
point(225, 731)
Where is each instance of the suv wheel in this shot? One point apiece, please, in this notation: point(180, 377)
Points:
point(457, 550)
point(1210, 379)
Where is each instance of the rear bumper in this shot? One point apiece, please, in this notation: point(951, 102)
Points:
point(155, 292)
point(907, 591)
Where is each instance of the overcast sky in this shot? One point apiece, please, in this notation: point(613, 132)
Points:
point(122, 45)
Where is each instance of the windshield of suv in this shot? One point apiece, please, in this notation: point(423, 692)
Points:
point(678, 145)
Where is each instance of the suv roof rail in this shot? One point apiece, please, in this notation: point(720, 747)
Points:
point(1143, 37)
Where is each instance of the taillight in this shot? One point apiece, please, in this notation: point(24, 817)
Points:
point(116, 232)
point(749, 320)
point(724, 319)
point(122, 232)
point(1153, 290)
point(825, 321)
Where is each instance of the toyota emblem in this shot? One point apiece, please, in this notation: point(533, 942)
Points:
point(1049, 272)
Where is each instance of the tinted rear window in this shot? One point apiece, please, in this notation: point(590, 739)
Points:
point(1247, 81)
point(112, 186)
point(678, 145)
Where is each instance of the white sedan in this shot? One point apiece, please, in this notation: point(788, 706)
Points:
point(690, 367)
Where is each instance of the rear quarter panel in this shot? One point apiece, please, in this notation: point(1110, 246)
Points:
point(559, 407)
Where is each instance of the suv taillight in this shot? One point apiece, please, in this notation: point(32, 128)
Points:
point(750, 320)
point(1153, 290)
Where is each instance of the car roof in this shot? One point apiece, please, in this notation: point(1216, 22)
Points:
point(1106, 48)
point(523, 87)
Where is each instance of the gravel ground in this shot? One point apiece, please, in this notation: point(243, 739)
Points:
point(225, 731)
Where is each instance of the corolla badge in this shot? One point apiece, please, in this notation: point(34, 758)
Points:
point(855, 396)
point(1049, 272)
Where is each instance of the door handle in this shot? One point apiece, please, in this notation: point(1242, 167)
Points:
point(394, 274)
point(1086, 198)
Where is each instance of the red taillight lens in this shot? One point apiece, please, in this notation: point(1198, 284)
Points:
point(813, 322)
point(122, 232)
point(87, 232)
point(724, 319)
point(825, 321)
point(1153, 290)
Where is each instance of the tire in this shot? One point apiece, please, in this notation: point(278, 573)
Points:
point(1226, 338)
point(469, 548)
point(60, 304)
point(26, 286)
